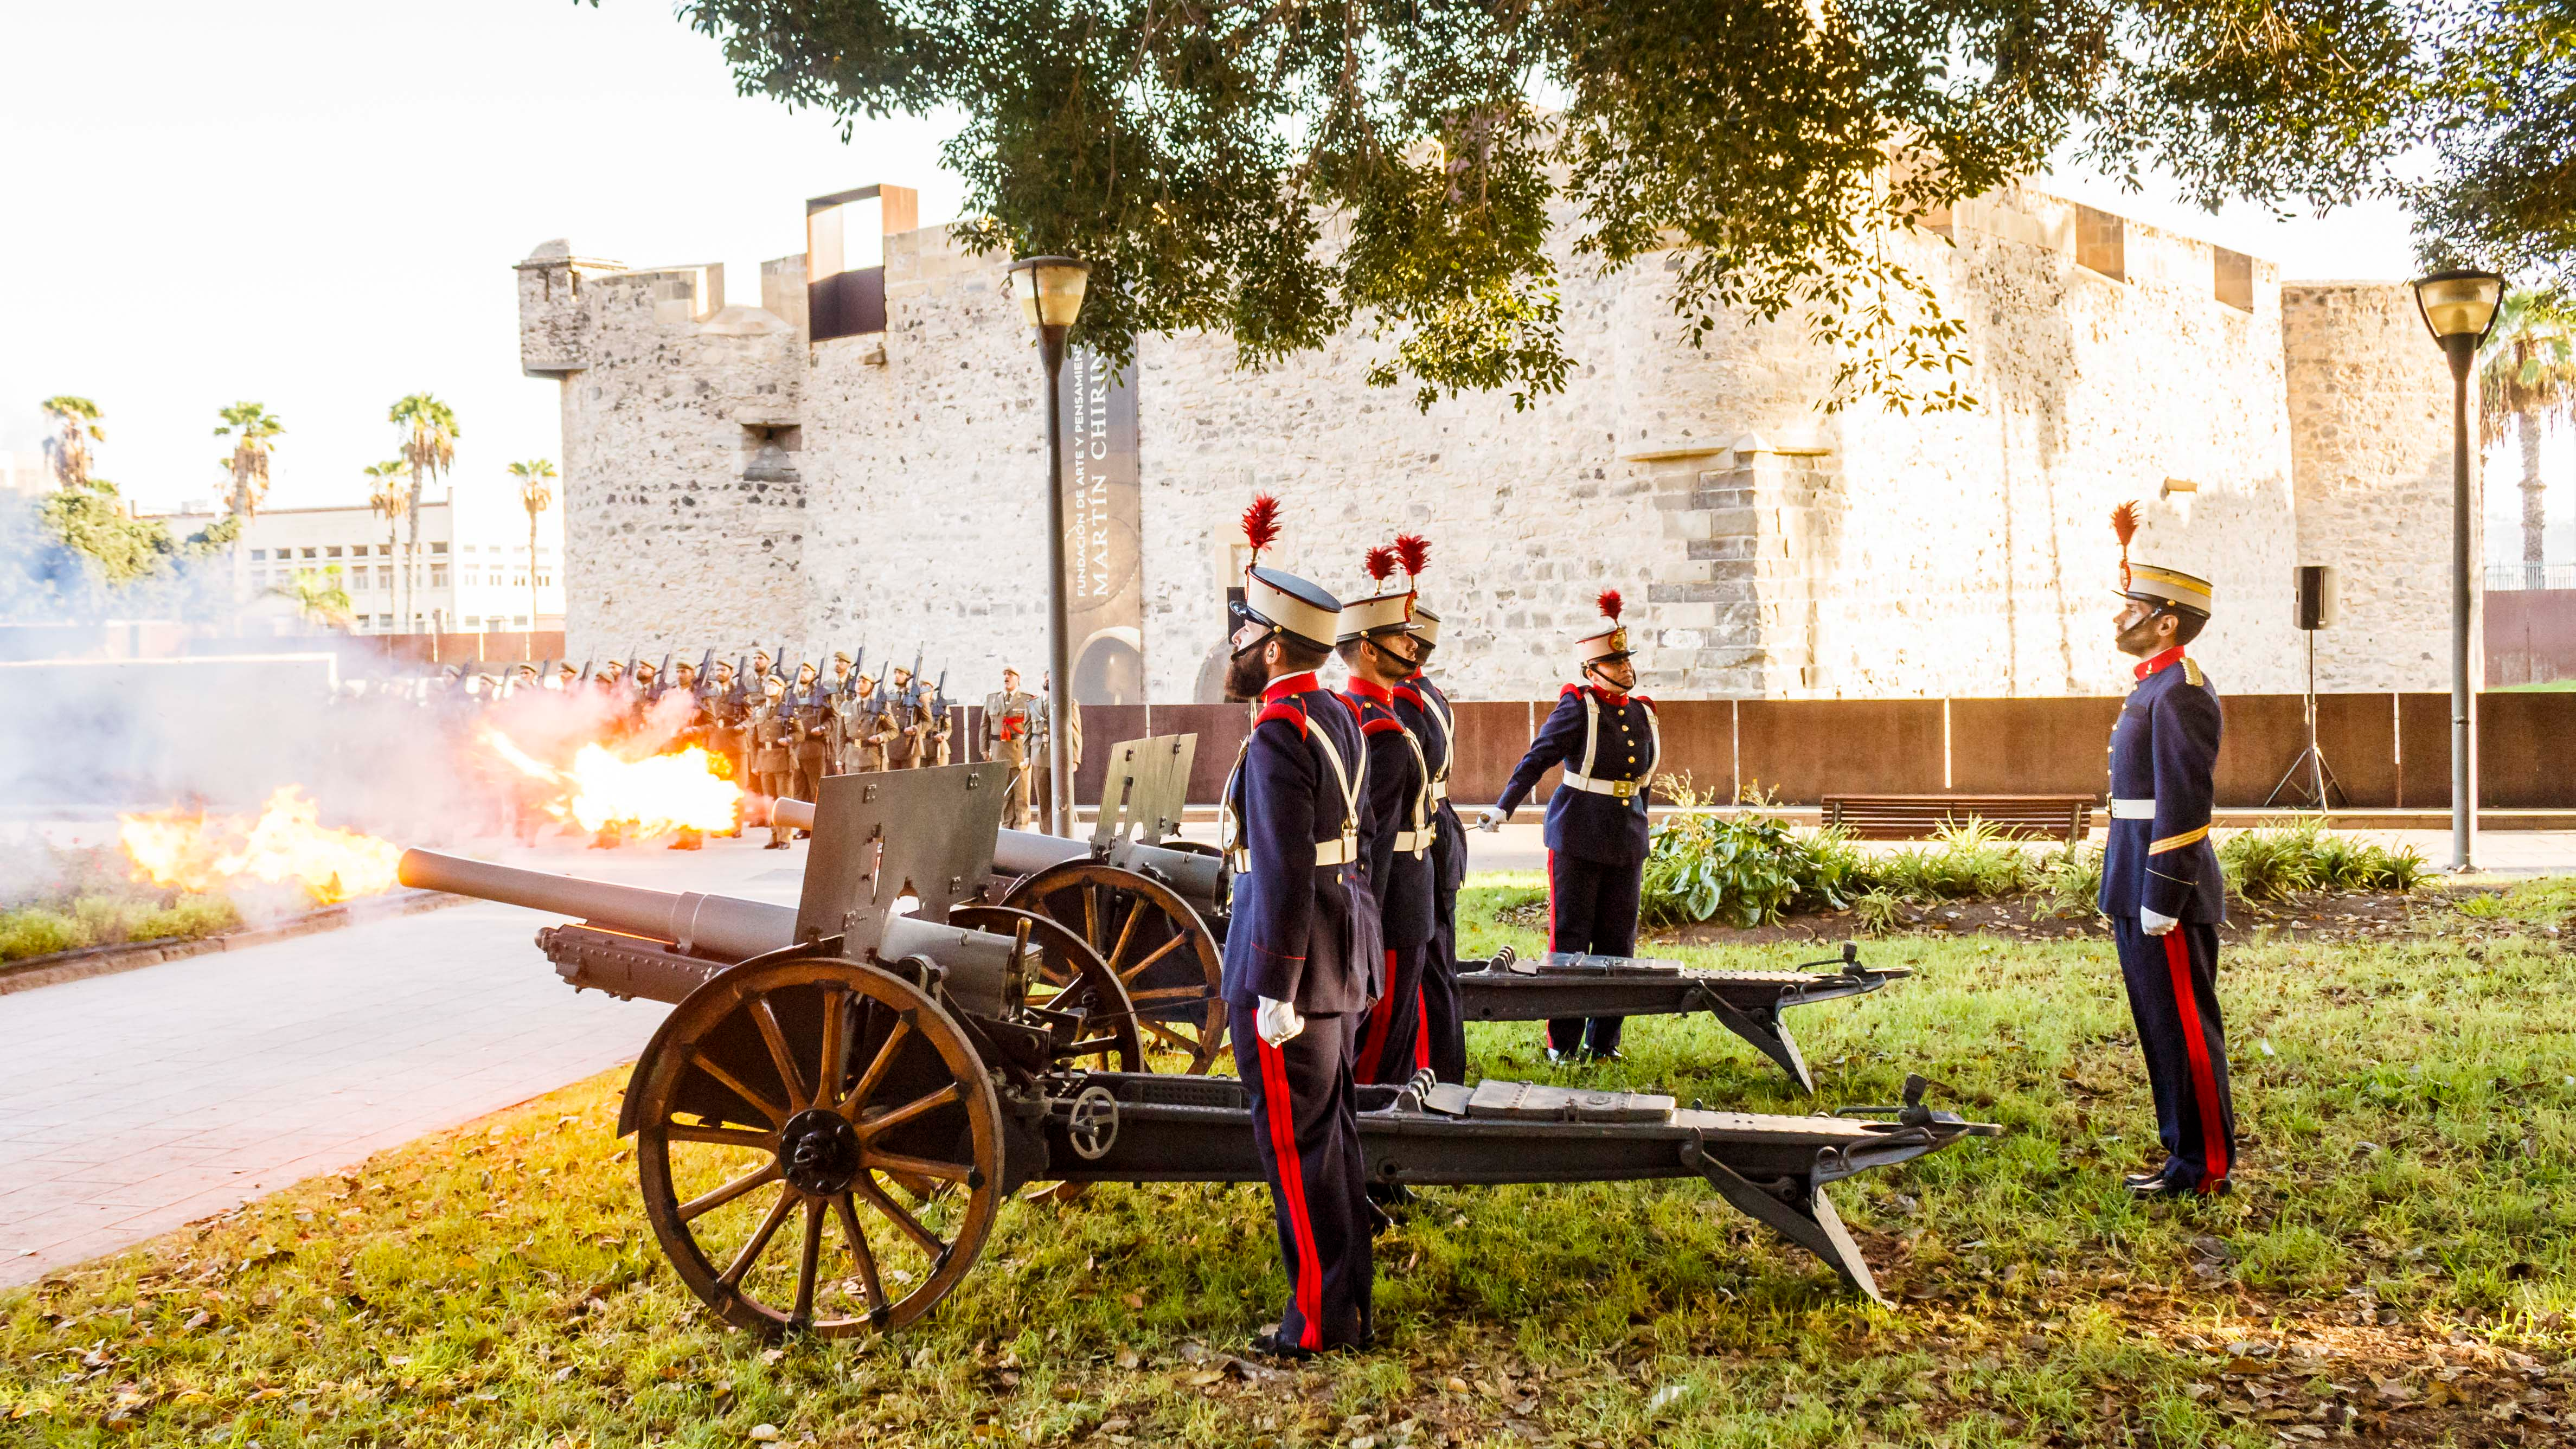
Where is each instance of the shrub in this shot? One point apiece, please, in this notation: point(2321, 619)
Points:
point(1879, 911)
point(109, 919)
point(35, 931)
point(2276, 862)
point(1750, 866)
point(189, 918)
point(1975, 861)
point(2071, 880)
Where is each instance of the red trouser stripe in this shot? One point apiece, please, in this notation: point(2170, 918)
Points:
point(1381, 1019)
point(1421, 1031)
point(1292, 1186)
point(1551, 900)
point(2204, 1081)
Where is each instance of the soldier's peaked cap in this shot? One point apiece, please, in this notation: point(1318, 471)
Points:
point(1296, 607)
point(1282, 601)
point(1384, 612)
point(1426, 625)
point(2168, 588)
point(1610, 642)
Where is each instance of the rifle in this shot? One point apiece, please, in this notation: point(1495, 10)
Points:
point(706, 680)
point(662, 676)
point(858, 665)
point(916, 676)
point(585, 673)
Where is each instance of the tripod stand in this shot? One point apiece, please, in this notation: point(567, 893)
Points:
point(2315, 779)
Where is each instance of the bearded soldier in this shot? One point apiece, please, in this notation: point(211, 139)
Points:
point(1302, 955)
point(1608, 741)
point(1395, 829)
point(2160, 879)
point(1007, 719)
point(1425, 711)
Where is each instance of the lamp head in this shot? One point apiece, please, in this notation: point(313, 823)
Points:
point(2459, 303)
point(1050, 289)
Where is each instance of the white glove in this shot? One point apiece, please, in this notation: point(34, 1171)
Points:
point(1277, 1022)
point(2156, 923)
point(1489, 821)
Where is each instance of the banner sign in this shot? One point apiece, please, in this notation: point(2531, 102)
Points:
point(1104, 584)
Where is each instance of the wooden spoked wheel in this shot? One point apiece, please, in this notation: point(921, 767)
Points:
point(1160, 951)
point(1068, 988)
point(820, 1147)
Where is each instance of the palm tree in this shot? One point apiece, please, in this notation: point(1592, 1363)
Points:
point(254, 425)
point(388, 498)
point(429, 449)
point(2527, 373)
point(318, 597)
point(76, 426)
point(536, 493)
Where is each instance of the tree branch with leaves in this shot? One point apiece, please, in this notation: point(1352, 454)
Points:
point(1282, 170)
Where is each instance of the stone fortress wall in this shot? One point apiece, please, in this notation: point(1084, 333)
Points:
point(728, 480)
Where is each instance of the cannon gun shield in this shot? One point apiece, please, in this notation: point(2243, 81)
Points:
point(885, 835)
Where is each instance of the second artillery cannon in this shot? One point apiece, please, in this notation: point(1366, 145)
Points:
point(826, 1131)
point(1154, 907)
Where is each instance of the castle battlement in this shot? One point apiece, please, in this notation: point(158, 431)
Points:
point(816, 468)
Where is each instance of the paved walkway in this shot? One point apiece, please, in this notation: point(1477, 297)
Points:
point(134, 1103)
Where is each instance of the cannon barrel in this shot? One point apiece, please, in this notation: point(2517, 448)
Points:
point(727, 927)
point(1198, 878)
point(720, 928)
point(1025, 852)
point(1015, 852)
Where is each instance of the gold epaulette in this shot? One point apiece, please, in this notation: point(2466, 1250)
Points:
point(2191, 672)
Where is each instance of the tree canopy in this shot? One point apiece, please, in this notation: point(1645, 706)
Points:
point(1280, 169)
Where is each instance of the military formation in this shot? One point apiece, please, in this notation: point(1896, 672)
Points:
point(779, 723)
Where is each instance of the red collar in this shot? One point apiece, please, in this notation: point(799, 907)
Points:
point(2166, 660)
point(1288, 684)
point(1370, 689)
point(1610, 697)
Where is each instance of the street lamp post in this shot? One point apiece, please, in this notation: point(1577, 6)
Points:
point(1050, 292)
point(2459, 307)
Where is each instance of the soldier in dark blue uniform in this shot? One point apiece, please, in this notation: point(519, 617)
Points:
point(1396, 828)
point(1608, 741)
point(1425, 710)
point(2160, 881)
point(1302, 955)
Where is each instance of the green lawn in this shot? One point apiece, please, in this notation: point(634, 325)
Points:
point(2396, 1261)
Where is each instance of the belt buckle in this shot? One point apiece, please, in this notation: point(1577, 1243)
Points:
point(1623, 789)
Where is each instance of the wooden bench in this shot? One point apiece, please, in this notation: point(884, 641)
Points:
point(1917, 817)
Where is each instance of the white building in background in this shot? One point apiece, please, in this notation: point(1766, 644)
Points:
point(29, 474)
point(471, 575)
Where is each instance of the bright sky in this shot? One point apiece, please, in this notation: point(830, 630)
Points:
point(316, 205)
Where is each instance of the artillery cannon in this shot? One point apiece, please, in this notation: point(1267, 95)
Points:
point(886, 1074)
point(1154, 907)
